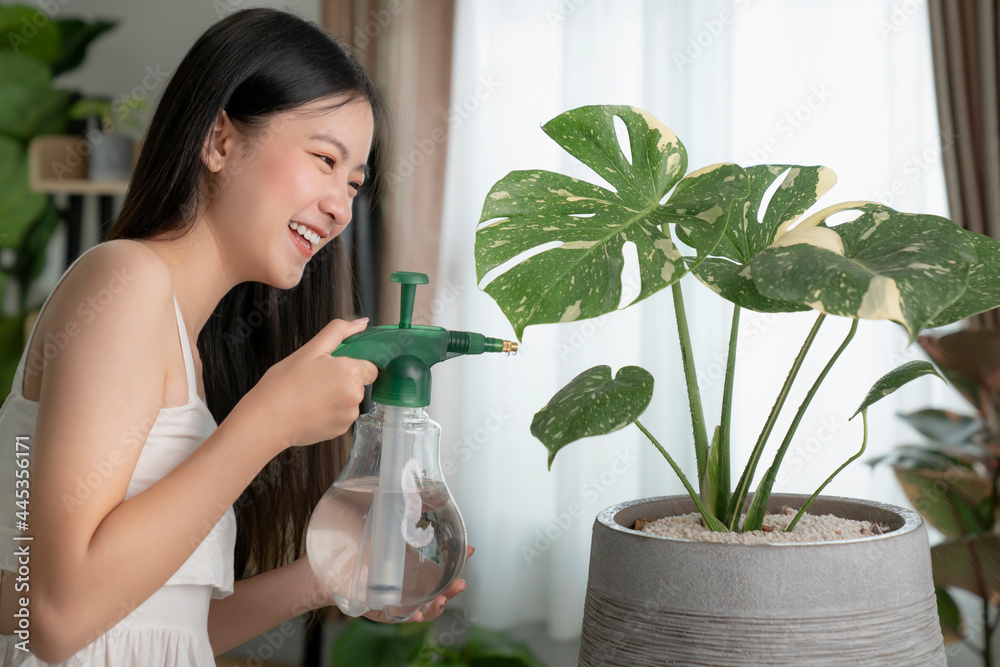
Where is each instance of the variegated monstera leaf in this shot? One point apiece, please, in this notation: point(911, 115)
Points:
point(755, 225)
point(585, 226)
point(917, 270)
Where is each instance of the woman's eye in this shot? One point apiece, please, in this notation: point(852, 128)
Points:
point(329, 160)
point(356, 186)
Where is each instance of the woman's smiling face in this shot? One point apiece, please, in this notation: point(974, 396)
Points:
point(283, 191)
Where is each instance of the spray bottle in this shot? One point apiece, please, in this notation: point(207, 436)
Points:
point(387, 536)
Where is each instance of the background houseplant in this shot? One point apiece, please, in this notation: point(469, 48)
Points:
point(952, 480)
point(916, 270)
point(36, 49)
point(112, 129)
point(365, 643)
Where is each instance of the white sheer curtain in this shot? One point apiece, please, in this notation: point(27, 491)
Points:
point(844, 83)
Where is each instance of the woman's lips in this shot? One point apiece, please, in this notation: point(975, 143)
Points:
point(304, 247)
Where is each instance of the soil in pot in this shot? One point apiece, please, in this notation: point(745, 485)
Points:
point(810, 528)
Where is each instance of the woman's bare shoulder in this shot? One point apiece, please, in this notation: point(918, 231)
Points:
point(116, 299)
point(117, 279)
point(123, 268)
point(138, 257)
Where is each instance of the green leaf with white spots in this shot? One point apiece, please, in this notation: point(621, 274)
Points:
point(533, 211)
point(895, 379)
point(702, 204)
point(884, 265)
point(983, 290)
point(753, 229)
point(755, 226)
point(592, 404)
point(726, 278)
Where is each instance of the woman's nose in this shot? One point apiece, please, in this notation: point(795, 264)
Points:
point(338, 205)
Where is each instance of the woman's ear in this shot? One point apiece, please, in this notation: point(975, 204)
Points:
point(219, 143)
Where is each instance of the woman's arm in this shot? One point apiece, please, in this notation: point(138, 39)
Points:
point(267, 600)
point(96, 557)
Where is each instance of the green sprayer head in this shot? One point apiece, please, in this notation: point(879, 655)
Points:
point(404, 352)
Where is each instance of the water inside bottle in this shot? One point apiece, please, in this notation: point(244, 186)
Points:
point(339, 540)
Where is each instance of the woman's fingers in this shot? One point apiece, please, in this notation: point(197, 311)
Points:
point(456, 587)
point(436, 608)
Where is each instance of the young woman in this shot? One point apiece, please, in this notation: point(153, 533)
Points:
point(179, 377)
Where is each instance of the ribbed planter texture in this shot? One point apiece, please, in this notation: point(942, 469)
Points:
point(660, 601)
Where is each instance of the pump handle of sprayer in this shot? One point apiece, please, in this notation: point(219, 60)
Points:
point(408, 281)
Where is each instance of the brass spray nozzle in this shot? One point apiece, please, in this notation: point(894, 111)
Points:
point(509, 347)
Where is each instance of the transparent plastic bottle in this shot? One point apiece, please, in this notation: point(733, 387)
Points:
point(387, 536)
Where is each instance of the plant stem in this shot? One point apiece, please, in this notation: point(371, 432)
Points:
point(690, 375)
point(710, 521)
point(724, 480)
point(864, 443)
point(780, 454)
point(743, 487)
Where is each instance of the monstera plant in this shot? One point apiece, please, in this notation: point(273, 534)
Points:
point(748, 243)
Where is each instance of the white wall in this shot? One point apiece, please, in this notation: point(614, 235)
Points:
point(149, 33)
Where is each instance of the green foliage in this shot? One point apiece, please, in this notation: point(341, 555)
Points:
point(711, 495)
point(34, 50)
point(365, 643)
point(101, 108)
point(19, 207)
point(76, 37)
point(592, 404)
point(951, 617)
point(29, 32)
point(11, 338)
point(952, 478)
point(581, 278)
point(368, 644)
point(755, 227)
point(884, 265)
point(895, 379)
point(552, 249)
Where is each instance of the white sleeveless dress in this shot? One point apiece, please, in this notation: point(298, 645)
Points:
point(170, 629)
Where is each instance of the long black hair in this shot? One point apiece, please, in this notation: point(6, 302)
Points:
point(253, 64)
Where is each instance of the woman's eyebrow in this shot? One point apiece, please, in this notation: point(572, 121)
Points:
point(346, 154)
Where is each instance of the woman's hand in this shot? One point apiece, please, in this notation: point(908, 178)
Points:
point(436, 608)
point(311, 396)
point(321, 595)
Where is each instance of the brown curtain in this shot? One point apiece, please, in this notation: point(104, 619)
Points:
point(406, 45)
point(964, 42)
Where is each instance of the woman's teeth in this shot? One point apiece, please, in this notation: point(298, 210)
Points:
point(305, 232)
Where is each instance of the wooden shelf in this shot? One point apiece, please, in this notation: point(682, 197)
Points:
point(57, 164)
point(79, 186)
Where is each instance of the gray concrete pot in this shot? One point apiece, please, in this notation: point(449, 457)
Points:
point(660, 601)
